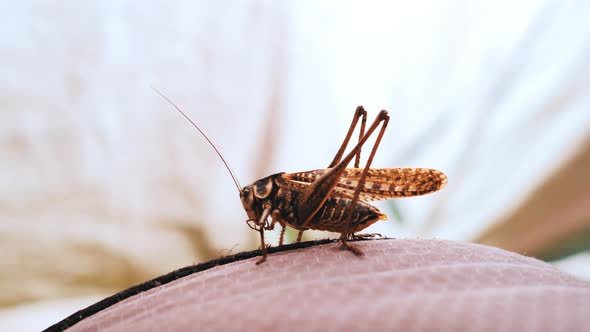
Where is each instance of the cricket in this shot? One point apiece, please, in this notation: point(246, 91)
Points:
point(336, 198)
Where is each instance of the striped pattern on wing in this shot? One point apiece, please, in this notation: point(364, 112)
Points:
point(381, 183)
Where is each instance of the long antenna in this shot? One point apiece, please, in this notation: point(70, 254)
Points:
point(202, 133)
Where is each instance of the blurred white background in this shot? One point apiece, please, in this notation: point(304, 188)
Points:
point(103, 185)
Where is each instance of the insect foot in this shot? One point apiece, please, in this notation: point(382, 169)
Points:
point(350, 247)
point(262, 260)
point(365, 236)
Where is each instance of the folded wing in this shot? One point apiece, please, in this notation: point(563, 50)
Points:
point(381, 183)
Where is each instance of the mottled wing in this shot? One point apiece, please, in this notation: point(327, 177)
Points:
point(381, 183)
point(385, 183)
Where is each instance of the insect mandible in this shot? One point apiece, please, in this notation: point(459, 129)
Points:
point(335, 198)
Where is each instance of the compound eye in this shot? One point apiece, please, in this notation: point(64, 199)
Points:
point(246, 194)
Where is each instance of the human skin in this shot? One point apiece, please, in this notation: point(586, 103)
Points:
point(401, 284)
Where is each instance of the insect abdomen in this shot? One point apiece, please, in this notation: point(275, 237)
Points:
point(331, 216)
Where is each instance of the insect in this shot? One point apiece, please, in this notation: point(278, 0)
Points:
point(335, 198)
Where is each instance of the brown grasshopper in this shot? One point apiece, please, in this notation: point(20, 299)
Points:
point(332, 199)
